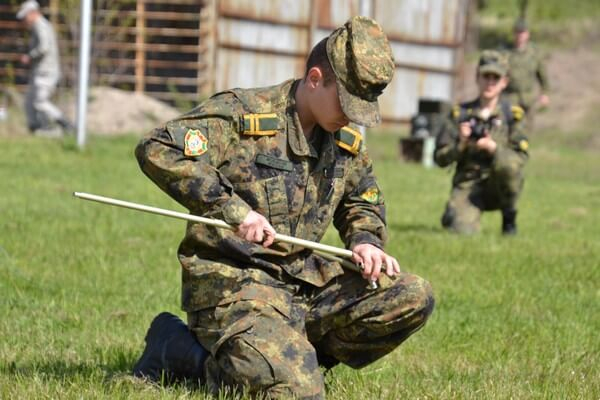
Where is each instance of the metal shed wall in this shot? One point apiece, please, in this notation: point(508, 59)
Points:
point(264, 42)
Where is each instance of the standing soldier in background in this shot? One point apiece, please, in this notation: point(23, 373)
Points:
point(44, 74)
point(485, 139)
point(282, 159)
point(526, 68)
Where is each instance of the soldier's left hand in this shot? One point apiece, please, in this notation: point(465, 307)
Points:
point(373, 261)
point(488, 144)
point(25, 59)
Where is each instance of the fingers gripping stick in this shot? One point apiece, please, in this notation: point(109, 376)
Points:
point(331, 253)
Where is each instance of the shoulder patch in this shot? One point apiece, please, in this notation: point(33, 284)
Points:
point(196, 143)
point(349, 139)
point(456, 111)
point(517, 113)
point(260, 124)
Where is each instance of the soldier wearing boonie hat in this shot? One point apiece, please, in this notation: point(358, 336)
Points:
point(262, 315)
point(484, 138)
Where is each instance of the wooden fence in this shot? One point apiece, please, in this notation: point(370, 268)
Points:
point(142, 45)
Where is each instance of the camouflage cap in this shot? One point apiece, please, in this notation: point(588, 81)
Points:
point(362, 60)
point(492, 61)
point(520, 25)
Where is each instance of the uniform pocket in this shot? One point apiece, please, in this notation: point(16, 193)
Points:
point(267, 197)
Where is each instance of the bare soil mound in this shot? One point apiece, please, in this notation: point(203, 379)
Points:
point(112, 111)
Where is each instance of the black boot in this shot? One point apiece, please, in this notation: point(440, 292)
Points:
point(509, 221)
point(66, 125)
point(172, 352)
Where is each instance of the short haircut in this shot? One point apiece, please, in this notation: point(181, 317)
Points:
point(318, 58)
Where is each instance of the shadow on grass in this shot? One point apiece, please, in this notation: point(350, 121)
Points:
point(417, 228)
point(115, 374)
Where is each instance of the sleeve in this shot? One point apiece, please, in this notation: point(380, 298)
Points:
point(541, 75)
point(446, 144)
point(360, 215)
point(183, 157)
point(515, 150)
point(41, 43)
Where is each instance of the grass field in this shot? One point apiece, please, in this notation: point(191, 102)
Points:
point(515, 317)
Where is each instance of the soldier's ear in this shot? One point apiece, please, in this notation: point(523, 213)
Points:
point(314, 77)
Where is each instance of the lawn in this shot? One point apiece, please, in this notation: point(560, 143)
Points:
point(515, 317)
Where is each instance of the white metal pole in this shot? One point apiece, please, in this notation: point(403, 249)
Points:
point(84, 70)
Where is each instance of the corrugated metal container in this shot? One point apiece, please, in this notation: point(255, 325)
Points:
point(261, 43)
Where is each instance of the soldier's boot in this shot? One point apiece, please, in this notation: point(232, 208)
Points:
point(172, 352)
point(509, 221)
point(66, 125)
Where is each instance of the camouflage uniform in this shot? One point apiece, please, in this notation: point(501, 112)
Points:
point(526, 68)
point(482, 182)
point(270, 316)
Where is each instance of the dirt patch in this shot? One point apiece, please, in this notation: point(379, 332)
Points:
point(112, 111)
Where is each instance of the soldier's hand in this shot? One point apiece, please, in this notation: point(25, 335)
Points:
point(488, 144)
point(373, 261)
point(25, 59)
point(256, 228)
point(544, 100)
point(464, 132)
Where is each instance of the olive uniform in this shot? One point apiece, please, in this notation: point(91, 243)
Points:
point(482, 182)
point(270, 316)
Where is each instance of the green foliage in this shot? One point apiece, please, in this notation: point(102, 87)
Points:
point(543, 10)
point(514, 318)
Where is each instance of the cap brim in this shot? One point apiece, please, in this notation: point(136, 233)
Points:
point(492, 69)
point(357, 110)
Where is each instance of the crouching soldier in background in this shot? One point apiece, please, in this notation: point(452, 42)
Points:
point(484, 138)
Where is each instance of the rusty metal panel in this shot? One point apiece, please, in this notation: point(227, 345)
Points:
point(237, 68)
point(427, 21)
point(260, 36)
point(400, 99)
point(426, 56)
point(282, 11)
point(265, 42)
point(333, 13)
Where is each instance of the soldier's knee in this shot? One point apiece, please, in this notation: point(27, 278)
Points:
point(458, 222)
point(424, 298)
point(264, 366)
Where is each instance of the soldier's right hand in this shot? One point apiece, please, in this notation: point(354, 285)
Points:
point(256, 228)
point(464, 131)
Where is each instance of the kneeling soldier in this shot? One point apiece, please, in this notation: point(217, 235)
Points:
point(484, 138)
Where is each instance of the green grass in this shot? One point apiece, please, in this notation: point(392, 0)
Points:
point(515, 317)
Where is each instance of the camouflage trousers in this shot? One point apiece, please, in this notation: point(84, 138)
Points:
point(272, 340)
point(468, 199)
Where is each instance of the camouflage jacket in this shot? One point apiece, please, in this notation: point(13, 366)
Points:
point(472, 163)
point(526, 68)
point(245, 150)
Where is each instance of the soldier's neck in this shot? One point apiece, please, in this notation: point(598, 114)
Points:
point(489, 105)
point(307, 120)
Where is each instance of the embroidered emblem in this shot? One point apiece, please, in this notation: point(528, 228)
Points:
point(196, 143)
point(371, 195)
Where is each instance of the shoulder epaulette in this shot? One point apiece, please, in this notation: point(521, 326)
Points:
point(456, 111)
point(517, 112)
point(349, 139)
point(267, 124)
